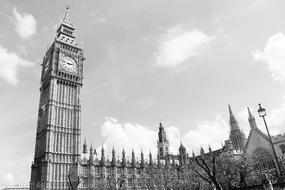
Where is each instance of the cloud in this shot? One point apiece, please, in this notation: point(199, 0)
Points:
point(25, 24)
point(276, 117)
point(207, 133)
point(9, 179)
point(178, 45)
point(128, 136)
point(9, 63)
point(273, 55)
point(139, 137)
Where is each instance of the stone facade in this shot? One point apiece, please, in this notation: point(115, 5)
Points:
point(57, 148)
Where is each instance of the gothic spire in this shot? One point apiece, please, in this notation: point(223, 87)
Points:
point(124, 162)
point(113, 157)
point(133, 158)
point(91, 153)
point(233, 122)
point(102, 156)
point(251, 120)
point(150, 159)
point(142, 159)
point(84, 147)
point(66, 19)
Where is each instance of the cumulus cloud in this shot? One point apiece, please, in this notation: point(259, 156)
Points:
point(178, 45)
point(273, 55)
point(9, 63)
point(276, 117)
point(139, 137)
point(25, 24)
point(207, 133)
point(129, 136)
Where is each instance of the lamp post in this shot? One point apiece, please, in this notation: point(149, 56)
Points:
point(262, 113)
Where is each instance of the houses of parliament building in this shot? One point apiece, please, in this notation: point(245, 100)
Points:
point(61, 162)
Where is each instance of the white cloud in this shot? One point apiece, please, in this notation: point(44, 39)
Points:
point(25, 24)
point(132, 135)
point(9, 179)
point(9, 63)
point(178, 45)
point(273, 55)
point(276, 117)
point(128, 136)
point(207, 133)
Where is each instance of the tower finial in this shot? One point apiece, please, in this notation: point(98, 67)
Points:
point(230, 110)
point(66, 19)
point(249, 113)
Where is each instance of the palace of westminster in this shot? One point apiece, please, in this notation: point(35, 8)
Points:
point(58, 152)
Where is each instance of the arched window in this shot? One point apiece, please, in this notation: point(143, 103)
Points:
point(263, 158)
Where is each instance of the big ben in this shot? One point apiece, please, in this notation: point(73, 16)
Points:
point(57, 147)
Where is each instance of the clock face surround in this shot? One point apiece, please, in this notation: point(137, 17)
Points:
point(68, 64)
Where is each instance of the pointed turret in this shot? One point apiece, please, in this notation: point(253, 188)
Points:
point(84, 151)
point(150, 159)
point(91, 153)
point(236, 135)
point(124, 162)
point(66, 19)
point(182, 154)
point(113, 157)
point(142, 160)
point(162, 143)
point(251, 119)
point(233, 122)
point(133, 158)
point(102, 156)
point(65, 31)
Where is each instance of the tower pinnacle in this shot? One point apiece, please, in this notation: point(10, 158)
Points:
point(66, 19)
point(251, 120)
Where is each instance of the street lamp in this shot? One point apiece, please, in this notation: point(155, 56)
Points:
point(262, 113)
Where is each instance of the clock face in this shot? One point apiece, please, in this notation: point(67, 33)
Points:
point(68, 64)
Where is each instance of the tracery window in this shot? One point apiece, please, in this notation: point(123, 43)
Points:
point(264, 159)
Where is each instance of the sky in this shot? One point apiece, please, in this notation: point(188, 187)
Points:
point(176, 62)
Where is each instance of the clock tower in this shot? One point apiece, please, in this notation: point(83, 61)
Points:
point(57, 149)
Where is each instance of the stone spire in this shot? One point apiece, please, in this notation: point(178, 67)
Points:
point(133, 158)
point(150, 159)
point(124, 162)
point(233, 122)
point(84, 151)
point(251, 120)
point(66, 19)
point(113, 157)
point(236, 135)
point(102, 156)
point(142, 160)
point(91, 153)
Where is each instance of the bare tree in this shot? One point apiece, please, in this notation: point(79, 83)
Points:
point(207, 168)
point(73, 184)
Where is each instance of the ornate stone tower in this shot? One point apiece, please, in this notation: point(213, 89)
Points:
point(58, 126)
point(251, 120)
point(236, 135)
point(162, 143)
